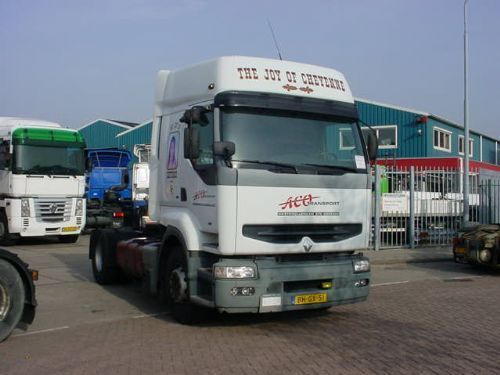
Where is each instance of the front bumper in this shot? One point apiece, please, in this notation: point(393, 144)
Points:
point(278, 283)
point(40, 222)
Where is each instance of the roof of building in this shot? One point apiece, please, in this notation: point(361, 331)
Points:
point(121, 124)
point(141, 125)
point(126, 123)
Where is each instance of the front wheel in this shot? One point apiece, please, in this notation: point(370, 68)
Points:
point(177, 289)
point(12, 296)
point(6, 239)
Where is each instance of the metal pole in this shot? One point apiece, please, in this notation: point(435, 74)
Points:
point(412, 207)
point(378, 203)
point(466, 123)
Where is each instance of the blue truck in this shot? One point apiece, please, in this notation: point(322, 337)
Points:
point(108, 188)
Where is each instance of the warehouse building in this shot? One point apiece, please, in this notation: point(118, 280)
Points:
point(408, 133)
point(403, 133)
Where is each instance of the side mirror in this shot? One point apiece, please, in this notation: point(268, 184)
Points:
point(371, 145)
point(191, 143)
point(195, 115)
point(224, 149)
point(88, 165)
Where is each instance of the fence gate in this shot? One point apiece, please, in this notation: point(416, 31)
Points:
point(489, 201)
point(420, 206)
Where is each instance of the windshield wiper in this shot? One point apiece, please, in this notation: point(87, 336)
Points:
point(334, 167)
point(266, 162)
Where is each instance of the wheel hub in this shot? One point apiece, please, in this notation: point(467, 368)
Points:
point(4, 302)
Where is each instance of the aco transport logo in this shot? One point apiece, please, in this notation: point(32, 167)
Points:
point(302, 201)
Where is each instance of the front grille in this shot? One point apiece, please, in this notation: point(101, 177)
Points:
point(294, 233)
point(53, 210)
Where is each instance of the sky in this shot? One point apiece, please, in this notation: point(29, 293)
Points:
point(75, 61)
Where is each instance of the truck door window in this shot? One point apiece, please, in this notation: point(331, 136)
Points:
point(206, 137)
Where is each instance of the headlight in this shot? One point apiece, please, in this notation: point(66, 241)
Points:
point(230, 272)
point(25, 207)
point(79, 207)
point(362, 265)
point(485, 256)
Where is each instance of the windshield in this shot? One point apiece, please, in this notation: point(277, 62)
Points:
point(48, 160)
point(295, 139)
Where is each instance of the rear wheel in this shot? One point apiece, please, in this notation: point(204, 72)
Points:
point(176, 288)
point(104, 267)
point(12, 296)
point(72, 238)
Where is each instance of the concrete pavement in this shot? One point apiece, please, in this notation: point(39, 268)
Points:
point(408, 256)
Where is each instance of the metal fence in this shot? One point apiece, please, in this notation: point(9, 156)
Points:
point(421, 206)
point(489, 204)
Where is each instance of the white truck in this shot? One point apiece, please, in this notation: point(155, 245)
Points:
point(41, 180)
point(260, 184)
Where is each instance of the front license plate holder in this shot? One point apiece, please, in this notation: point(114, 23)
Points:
point(308, 299)
point(70, 229)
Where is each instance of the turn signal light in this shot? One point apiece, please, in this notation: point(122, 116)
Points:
point(34, 275)
point(326, 285)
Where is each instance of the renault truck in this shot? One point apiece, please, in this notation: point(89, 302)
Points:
point(42, 180)
point(260, 188)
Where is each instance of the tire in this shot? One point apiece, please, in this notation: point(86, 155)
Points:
point(72, 238)
point(102, 252)
point(12, 295)
point(176, 288)
point(104, 267)
point(6, 239)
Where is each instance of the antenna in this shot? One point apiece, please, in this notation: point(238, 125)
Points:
point(274, 38)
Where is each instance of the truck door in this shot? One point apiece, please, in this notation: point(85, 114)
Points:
point(201, 192)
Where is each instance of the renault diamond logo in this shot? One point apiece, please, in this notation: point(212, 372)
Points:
point(307, 244)
point(53, 208)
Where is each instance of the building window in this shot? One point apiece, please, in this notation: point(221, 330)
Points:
point(442, 140)
point(387, 136)
point(461, 144)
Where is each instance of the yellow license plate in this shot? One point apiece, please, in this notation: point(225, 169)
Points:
point(306, 299)
point(459, 250)
point(69, 229)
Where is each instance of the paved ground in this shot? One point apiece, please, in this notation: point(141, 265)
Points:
point(422, 316)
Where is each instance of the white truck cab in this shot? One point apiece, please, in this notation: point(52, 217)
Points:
point(41, 180)
point(260, 182)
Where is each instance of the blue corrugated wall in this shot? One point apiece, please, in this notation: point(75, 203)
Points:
point(416, 139)
point(410, 142)
point(139, 135)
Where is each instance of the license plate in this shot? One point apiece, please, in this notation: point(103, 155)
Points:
point(460, 250)
point(69, 229)
point(306, 299)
